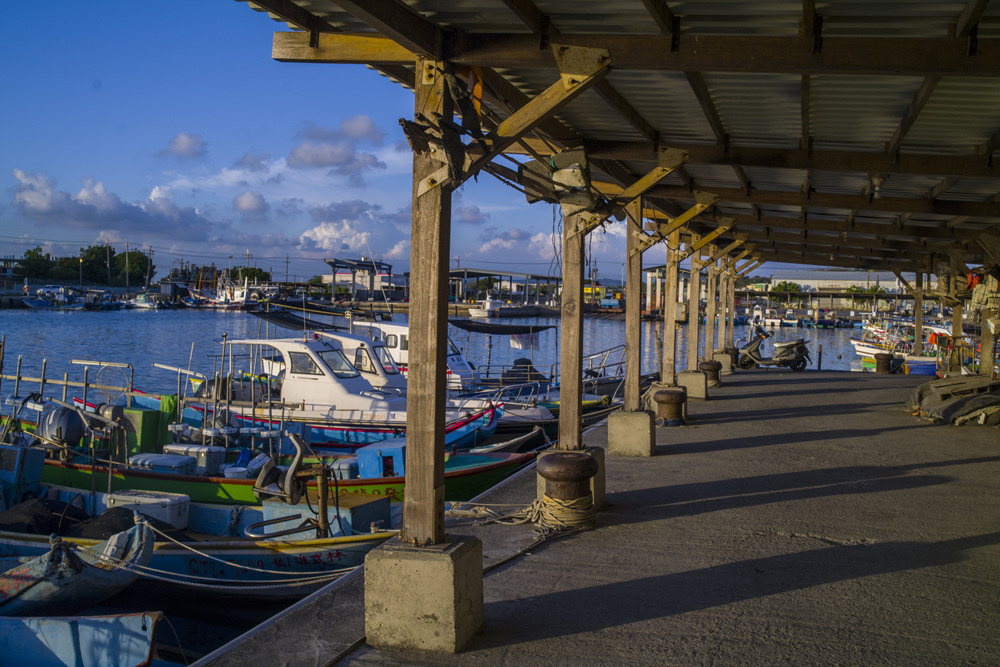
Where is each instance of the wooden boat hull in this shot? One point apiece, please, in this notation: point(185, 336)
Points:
point(62, 579)
point(466, 475)
point(82, 641)
point(232, 566)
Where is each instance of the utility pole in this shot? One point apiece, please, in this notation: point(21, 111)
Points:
point(126, 266)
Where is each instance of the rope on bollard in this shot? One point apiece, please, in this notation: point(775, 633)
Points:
point(550, 515)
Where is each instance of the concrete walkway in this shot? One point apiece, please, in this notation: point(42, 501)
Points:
point(798, 518)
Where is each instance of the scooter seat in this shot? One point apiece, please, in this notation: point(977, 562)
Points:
point(790, 343)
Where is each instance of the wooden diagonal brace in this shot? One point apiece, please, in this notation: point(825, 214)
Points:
point(900, 278)
point(702, 201)
point(668, 159)
point(584, 67)
point(733, 260)
point(704, 241)
point(759, 262)
point(722, 252)
point(645, 242)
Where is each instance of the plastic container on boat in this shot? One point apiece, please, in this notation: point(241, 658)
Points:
point(176, 464)
point(208, 457)
point(173, 508)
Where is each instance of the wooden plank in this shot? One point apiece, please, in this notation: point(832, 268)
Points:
point(633, 307)
point(918, 315)
point(423, 497)
point(571, 339)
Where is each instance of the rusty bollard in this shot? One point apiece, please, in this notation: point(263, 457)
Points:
point(568, 501)
point(734, 354)
point(882, 362)
point(711, 370)
point(670, 406)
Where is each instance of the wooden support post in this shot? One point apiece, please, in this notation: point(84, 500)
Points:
point(423, 497)
point(710, 309)
point(649, 291)
point(633, 307)
point(918, 315)
point(986, 359)
point(724, 312)
point(694, 315)
point(668, 368)
point(731, 332)
point(955, 364)
point(571, 339)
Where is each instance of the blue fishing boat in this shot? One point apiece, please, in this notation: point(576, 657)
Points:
point(68, 578)
point(80, 641)
point(55, 297)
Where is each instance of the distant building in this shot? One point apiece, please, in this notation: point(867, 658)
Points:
point(10, 279)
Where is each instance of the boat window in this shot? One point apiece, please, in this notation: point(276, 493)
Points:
point(388, 363)
point(392, 340)
point(363, 362)
point(404, 342)
point(303, 364)
point(338, 363)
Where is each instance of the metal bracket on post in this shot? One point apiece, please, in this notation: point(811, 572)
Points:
point(645, 242)
point(724, 226)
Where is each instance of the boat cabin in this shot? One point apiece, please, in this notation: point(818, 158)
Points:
point(315, 373)
point(395, 337)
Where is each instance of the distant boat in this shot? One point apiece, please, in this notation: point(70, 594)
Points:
point(789, 320)
point(488, 307)
point(55, 297)
point(771, 318)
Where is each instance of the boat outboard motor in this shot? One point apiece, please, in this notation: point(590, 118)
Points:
point(61, 425)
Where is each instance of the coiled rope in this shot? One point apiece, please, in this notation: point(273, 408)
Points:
point(551, 516)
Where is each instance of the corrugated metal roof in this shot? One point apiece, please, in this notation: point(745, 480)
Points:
point(778, 117)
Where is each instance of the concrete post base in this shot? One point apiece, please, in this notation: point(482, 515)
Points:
point(695, 382)
point(631, 434)
point(726, 360)
point(424, 598)
point(597, 483)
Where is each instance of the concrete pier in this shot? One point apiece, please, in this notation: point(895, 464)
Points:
point(805, 519)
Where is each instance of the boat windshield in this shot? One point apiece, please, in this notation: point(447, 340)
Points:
point(453, 349)
point(388, 365)
point(338, 363)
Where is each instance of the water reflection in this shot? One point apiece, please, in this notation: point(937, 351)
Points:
point(192, 339)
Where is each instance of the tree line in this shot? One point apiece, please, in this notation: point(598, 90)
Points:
point(95, 265)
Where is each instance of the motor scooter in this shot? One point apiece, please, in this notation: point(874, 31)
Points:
point(793, 354)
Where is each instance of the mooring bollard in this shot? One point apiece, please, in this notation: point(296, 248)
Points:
point(670, 406)
point(711, 370)
point(882, 362)
point(734, 353)
point(567, 487)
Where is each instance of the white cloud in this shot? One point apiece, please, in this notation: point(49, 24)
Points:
point(186, 146)
point(250, 204)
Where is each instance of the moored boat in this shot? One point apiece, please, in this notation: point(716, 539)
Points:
point(81, 641)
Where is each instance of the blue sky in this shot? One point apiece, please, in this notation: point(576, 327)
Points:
point(167, 125)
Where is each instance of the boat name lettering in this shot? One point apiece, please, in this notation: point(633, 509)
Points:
point(374, 416)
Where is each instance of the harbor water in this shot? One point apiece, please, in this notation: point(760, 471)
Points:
point(192, 339)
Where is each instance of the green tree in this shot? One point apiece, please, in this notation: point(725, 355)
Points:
point(137, 264)
point(251, 273)
point(98, 261)
point(36, 264)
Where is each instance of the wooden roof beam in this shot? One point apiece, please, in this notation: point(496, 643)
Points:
point(399, 23)
point(989, 209)
point(824, 160)
point(903, 56)
point(848, 226)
